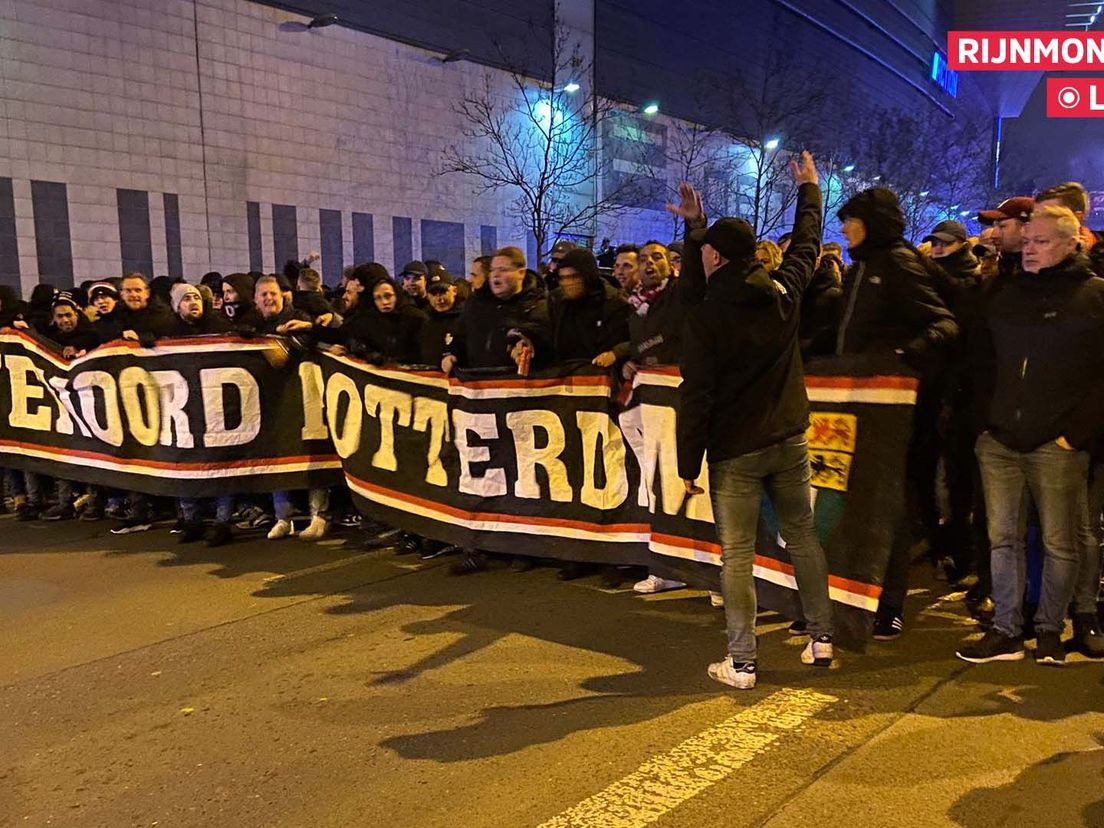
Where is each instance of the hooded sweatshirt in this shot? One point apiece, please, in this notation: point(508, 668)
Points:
point(586, 327)
point(891, 301)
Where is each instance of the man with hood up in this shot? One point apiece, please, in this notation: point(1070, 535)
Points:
point(589, 316)
point(891, 305)
point(743, 400)
point(237, 302)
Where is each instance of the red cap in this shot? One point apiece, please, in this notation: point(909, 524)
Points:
point(1017, 207)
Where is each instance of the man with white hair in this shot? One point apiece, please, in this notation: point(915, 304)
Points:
point(1041, 404)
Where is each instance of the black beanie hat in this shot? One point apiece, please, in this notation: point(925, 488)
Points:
point(582, 262)
point(733, 238)
point(879, 210)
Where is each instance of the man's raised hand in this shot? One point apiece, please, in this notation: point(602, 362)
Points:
point(689, 208)
point(804, 171)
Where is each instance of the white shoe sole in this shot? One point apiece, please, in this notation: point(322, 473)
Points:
point(1002, 657)
point(739, 684)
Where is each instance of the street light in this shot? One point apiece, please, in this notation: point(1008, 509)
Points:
point(925, 194)
point(849, 168)
point(772, 144)
point(650, 109)
point(571, 88)
point(322, 21)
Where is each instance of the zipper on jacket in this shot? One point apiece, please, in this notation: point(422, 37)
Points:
point(851, 302)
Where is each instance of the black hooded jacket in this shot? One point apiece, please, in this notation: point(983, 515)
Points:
point(890, 298)
point(11, 306)
point(212, 322)
point(384, 337)
point(81, 338)
point(150, 323)
point(489, 327)
point(743, 384)
point(598, 322)
point(437, 334)
point(1040, 358)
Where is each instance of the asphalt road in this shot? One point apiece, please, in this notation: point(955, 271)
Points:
point(290, 684)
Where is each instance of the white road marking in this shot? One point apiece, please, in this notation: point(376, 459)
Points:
point(665, 782)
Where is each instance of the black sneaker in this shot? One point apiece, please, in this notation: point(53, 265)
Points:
point(178, 527)
point(472, 562)
point(191, 532)
point(799, 627)
point(220, 535)
point(1087, 637)
point(1049, 650)
point(435, 549)
point(888, 627)
point(62, 511)
point(409, 545)
point(993, 646)
point(26, 511)
point(573, 570)
point(521, 563)
point(382, 539)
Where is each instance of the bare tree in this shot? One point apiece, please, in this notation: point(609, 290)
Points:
point(771, 113)
point(938, 168)
point(538, 142)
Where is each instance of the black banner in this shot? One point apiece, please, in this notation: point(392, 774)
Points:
point(550, 465)
point(188, 418)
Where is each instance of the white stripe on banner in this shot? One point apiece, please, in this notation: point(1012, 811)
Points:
point(422, 510)
point(664, 782)
point(164, 345)
point(822, 394)
point(506, 392)
point(843, 596)
point(881, 396)
point(185, 474)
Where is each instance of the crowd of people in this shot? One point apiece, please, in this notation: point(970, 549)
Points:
point(1005, 332)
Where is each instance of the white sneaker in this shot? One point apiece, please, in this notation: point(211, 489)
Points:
point(317, 529)
point(818, 652)
point(741, 677)
point(653, 584)
point(716, 599)
point(281, 529)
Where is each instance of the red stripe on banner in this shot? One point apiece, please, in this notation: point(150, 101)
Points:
point(554, 382)
point(896, 383)
point(33, 344)
point(609, 528)
point(158, 464)
point(662, 370)
point(845, 584)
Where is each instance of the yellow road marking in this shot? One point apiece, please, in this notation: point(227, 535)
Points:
point(665, 782)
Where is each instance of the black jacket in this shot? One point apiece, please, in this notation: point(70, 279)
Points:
point(82, 338)
point(743, 384)
point(212, 322)
point(584, 328)
point(152, 322)
point(1040, 358)
point(312, 302)
point(269, 326)
point(438, 331)
point(819, 311)
point(891, 302)
point(656, 337)
point(385, 337)
point(489, 327)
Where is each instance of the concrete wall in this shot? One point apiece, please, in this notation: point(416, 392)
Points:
point(235, 129)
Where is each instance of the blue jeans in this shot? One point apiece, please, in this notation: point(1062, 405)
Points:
point(284, 508)
point(737, 487)
point(1087, 591)
point(1058, 482)
point(224, 507)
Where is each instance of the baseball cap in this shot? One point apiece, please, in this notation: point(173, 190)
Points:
point(440, 279)
point(733, 238)
point(1017, 207)
point(414, 268)
point(102, 289)
point(947, 231)
point(561, 248)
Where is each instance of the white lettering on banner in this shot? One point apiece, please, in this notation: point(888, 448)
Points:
point(661, 459)
point(310, 379)
point(66, 413)
point(85, 384)
point(212, 382)
point(595, 426)
point(346, 434)
point(141, 397)
point(493, 482)
point(523, 425)
point(389, 406)
point(24, 394)
point(174, 396)
point(433, 415)
point(632, 426)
